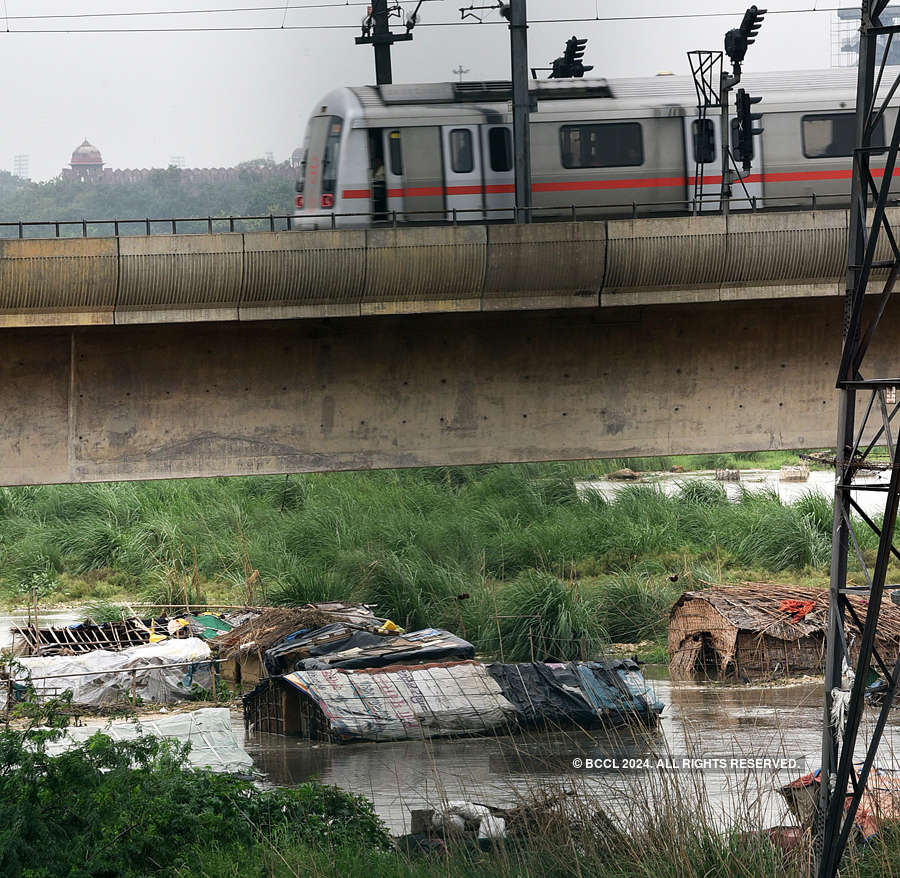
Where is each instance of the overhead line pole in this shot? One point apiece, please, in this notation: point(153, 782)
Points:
point(381, 42)
point(377, 33)
point(517, 13)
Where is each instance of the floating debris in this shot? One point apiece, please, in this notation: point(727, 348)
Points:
point(794, 473)
point(624, 475)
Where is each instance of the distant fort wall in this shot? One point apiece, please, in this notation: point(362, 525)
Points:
point(86, 166)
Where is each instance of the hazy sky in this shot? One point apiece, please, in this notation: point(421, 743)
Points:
point(221, 97)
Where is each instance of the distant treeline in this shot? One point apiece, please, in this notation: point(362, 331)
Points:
point(165, 193)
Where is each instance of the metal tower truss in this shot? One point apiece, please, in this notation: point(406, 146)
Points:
point(842, 781)
point(706, 68)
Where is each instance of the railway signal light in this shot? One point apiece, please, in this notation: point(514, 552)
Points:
point(737, 40)
point(571, 65)
point(743, 130)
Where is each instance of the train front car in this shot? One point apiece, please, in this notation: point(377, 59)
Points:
point(422, 153)
point(333, 189)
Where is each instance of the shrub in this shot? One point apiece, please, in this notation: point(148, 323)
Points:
point(108, 809)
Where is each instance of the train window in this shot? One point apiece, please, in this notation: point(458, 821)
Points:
point(704, 138)
point(617, 144)
point(462, 157)
point(833, 135)
point(500, 149)
point(396, 154)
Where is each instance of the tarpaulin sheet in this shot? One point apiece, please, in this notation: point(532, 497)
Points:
point(414, 702)
point(104, 677)
point(343, 646)
point(579, 693)
point(209, 625)
point(617, 687)
point(208, 731)
point(544, 692)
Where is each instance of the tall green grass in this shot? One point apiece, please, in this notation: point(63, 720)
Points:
point(447, 547)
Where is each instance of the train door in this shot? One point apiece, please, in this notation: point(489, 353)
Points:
point(393, 147)
point(499, 176)
point(423, 174)
point(463, 180)
point(378, 174)
point(703, 148)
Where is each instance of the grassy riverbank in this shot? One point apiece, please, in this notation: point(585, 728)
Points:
point(509, 556)
point(107, 809)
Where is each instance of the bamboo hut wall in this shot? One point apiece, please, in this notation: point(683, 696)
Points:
point(280, 709)
point(760, 656)
point(695, 625)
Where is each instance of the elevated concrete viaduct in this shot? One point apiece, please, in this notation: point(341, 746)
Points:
point(193, 356)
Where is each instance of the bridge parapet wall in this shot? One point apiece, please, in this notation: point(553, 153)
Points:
point(58, 281)
point(178, 278)
point(303, 274)
point(287, 275)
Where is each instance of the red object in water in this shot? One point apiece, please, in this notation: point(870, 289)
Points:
point(798, 609)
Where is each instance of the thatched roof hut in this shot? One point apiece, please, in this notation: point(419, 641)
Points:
point(760, 631)
point(241, 650)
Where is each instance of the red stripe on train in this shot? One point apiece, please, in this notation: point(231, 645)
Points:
point(599, 185)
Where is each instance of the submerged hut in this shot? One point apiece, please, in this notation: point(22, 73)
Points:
point(448, 699)
point(761, 631)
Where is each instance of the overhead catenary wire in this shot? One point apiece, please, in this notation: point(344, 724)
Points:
point(225, 10)
point(814, 9)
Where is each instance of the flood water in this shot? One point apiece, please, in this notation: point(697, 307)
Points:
point(820, 482)
point(45, 617)
point(711, 721)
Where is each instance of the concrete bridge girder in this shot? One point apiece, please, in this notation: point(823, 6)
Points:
point(179, 400)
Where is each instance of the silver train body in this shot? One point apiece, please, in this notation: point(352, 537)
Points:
point(443, 151)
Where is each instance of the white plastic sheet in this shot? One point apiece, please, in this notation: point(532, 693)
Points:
point(104, 677)
point(208, 730)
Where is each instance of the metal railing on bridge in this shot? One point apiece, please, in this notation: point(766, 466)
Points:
point(91, 228)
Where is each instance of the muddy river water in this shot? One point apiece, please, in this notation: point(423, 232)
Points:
point(709, 723)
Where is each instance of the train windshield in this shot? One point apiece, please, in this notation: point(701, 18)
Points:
point(332, 155)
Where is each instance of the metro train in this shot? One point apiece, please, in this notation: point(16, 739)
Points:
point(444, 151)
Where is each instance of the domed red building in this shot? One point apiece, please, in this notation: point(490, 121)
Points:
point(86, 163)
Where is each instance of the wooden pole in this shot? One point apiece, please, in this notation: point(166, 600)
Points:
point(37, 631)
